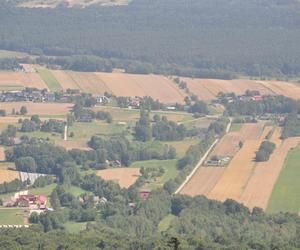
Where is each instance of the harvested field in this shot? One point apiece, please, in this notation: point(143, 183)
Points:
point(283, 88)
point(252, 131)
point(208, 89)
point(203, 181)
point(65, 80)
point(238, 172)
point(22, 79)
point(228, 145)
point(38, 108)
point(88, 82)
point(196, 87)
point(156, 86)
point(82, 145)
point(8, 175)
point(259, 188)
point(125, 177)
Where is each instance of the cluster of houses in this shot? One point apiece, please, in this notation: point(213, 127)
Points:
point(37, 95)
point(30, 201)
point(28, 94)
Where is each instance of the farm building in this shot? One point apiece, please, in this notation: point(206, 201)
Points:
point(144, 194)
point(23, 199)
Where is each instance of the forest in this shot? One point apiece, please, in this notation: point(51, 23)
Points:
point(196, 38)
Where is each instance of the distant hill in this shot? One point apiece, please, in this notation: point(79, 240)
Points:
point(66, 3)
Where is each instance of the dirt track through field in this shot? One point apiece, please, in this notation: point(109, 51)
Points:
point(124, 176)
point(203, 181)
point(259, 188)
point(238, 172)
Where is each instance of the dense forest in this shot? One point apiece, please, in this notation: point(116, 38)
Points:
point(197, 38)
point(198, 223)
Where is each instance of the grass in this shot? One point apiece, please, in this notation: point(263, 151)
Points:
point(168, 165)
point(49, 79)
point(235, 127)
point(47, 190)
point(182, 146)
point(12, 216)
point(165, 223)
point(285, 195)
point(39, 134)
point(75, 227)
point(85, 131)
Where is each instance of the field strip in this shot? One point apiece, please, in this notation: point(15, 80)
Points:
point(259, 188)
point(197, 167)
point(231, 184)
point(74, 80)
point(201, 161)
point(203, 181)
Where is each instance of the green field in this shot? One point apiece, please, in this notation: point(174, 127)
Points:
point(75, 227)
point(235, 127)
point(12, 216)
point(49, 79)
point(169, 166)
point(84, 130)
point(182, 146)
point(285, 196)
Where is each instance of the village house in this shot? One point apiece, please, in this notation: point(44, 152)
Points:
point(23, 199)
point(144, 194)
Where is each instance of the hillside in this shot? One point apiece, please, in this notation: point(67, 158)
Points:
point(195, 38)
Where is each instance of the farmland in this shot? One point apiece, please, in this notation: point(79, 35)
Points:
point(17, 80)
point(221, 183)
point(123, 84)
point(8, 175)
point(49, 79)
point(169, 166)
point(12, 216)
point(42, 109)
point(285, 195)
point(246, 181)
point(125, 177)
